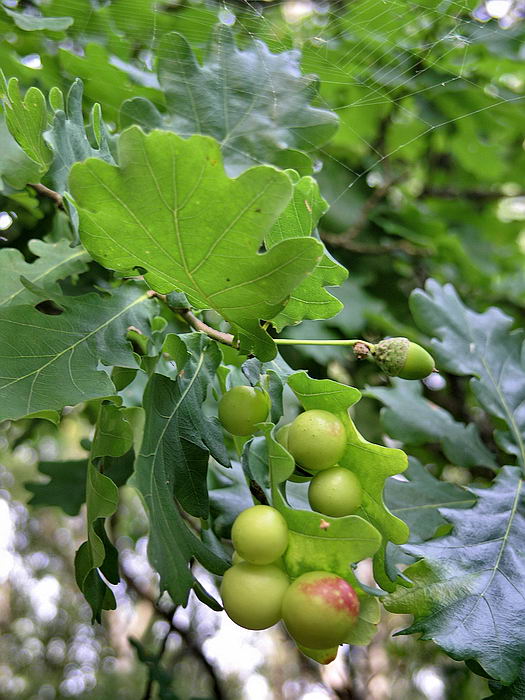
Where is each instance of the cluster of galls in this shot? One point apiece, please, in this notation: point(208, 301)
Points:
point(318, 608)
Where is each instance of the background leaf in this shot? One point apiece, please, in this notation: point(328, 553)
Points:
point(27, 120)
point(254, 102)
point(55, 262)
point(467, 591)
point(410, 417)
point(482, 345)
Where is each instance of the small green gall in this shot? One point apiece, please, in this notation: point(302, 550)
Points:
point(399, 357)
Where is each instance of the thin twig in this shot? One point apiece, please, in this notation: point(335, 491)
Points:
point(186, 637)
point(340, 240)
point(50, 194)
point(196, 323)
point(459, 194)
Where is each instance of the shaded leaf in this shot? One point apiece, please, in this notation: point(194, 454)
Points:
point(172, 464)
point(418, 501)
point(483, 345)
point(113, 438)
point(254, 102)
point(68, 137)
point(66, 488)
point(62, 369)
point(16, 168)
point(415, 420)
point(55, 262)
point(467, 592)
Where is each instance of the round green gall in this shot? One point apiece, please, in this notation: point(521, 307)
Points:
point(317, 440)
point(335, 492)
point(282, 435)
point(252, 595)
point(260, 535)
point(242, 407)
point(299, 476)
point(399, 357)
point(319, 609)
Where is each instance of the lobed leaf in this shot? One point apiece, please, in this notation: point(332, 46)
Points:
point(410, 417)
point(171, 467)
point(63, 367)
point(310, 299)
point(256, 104)
point(55, 262)
point(372, 464)
point(483, 345)
point(27, 120)
point(170, 211)
point(467, 587)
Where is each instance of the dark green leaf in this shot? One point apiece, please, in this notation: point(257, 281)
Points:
point(418, 501)
point(482, 345)
point(415, 420)
point(172, 464)
point(63, 368)
point(254, 102)
point(467, 593)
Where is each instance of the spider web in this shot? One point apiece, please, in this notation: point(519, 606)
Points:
point(438, 36)
point(393, 53)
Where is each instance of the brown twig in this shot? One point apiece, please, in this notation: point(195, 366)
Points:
point(196, 323)
point(340, 240)
point(451, 193)
point(50, 194)
point(377, 195)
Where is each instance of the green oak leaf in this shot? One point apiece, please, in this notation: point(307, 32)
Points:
point(16, 168)
point(319, 542)
point(310, 300)
point(105, 82)
point(63, 367)
point(65, 489)
point(418, 501)
point(254, 102)
point(365, 629)
point(372, 464)
point(27, 120)
point(483, 345)
point(55, 261)
point(170, 471)
point(514, 691)
point(410, 417)
point(170, 211)
point(114, 438)
point(68, 137)
point(31, 23)
point(467, 589)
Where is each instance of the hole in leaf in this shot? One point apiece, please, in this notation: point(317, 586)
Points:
point(49, 308)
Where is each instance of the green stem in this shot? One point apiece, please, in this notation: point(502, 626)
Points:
point(293, 341)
